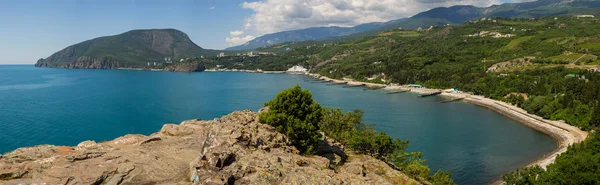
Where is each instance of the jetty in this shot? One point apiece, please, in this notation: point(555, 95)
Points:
point(397, 92)
point(359, 85)
point(338, 83)
point(373, 87)
point(452, 100)
point(430, 94)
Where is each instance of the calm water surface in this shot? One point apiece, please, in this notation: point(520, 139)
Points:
point(65, 107)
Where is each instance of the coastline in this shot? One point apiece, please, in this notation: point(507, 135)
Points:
point(563, 133)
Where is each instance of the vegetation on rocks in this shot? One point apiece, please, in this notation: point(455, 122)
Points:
point(579, 165)
point(294, 113)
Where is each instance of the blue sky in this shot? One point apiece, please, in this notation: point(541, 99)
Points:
point(33, 29)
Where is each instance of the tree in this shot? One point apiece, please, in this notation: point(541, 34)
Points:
point(596, 115)
point(294, 113)
point(340, 126)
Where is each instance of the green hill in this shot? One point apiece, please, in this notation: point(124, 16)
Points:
point(134, 48)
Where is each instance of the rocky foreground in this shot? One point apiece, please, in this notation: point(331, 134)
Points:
point(234, 149)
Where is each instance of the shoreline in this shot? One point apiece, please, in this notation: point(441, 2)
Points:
point(561, 132)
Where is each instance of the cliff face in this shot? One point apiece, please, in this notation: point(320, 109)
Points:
point(234, 149)
point(134, 48)
point(185, 67)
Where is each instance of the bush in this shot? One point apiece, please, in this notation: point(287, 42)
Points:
point(339, 126)
point(294, 113)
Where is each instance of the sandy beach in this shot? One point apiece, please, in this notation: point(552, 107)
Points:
point(563, 133)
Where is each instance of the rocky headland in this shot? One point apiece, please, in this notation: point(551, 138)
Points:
point(234, 149)
point(133, 49)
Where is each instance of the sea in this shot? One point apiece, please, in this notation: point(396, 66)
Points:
point(68, 106)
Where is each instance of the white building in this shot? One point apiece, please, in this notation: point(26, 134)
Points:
point(221, 54)
point(585, 16)
point(297, 70)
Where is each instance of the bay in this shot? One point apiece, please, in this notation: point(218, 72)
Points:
point(65, 107)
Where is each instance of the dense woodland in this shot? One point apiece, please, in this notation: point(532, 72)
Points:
point(542, 65)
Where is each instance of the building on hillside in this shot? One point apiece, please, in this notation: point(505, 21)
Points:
point(585, 16)
point(221, 54)
point(562, 25)
point(595, 69)
point(297, 70)
point(148, 64)
point(572, 76)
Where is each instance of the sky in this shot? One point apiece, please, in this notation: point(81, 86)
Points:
point(34, 29)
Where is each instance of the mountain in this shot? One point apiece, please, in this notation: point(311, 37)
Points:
point(130, 49)
point(434, 17)
point(316, 33)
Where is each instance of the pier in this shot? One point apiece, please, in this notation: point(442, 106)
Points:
point(397, 92)
point(338, 83)
point(452, 100)
point(373, 88)
point(430, 94)
point(359, 85)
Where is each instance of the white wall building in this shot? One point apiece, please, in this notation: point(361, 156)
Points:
point(297, 70)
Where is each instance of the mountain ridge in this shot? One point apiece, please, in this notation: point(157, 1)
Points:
point(437, 17)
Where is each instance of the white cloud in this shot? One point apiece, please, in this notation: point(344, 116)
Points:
point(211, 8)
point(281, 15)
point(236, 33)
point(238, 40)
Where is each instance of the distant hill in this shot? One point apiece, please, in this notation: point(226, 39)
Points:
point(434, 17)
point(315, 33)
point(130, 49)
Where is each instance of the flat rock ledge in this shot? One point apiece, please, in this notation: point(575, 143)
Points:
point(234, 149)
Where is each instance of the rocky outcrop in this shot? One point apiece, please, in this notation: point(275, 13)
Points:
point(185, 67)
point(83, 62)
point(234, 149)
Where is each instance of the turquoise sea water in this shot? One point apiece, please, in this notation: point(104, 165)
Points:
point(65, 107)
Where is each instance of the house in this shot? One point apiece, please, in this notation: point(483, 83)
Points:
point(415, 86)
point(572, 76)
point(297, 70)
point(562, 25)
point(596, 69)
point(221, 54)
point(584, 16)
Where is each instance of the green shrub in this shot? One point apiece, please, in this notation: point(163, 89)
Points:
point(339, 126)
point(294, 113)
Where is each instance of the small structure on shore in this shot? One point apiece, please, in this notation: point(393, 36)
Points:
point(452, 90)
point(415, 86)
point(297, 70)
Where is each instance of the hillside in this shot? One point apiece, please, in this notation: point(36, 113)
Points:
point(130, 49)
point(434, 17)
point(316, 33)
